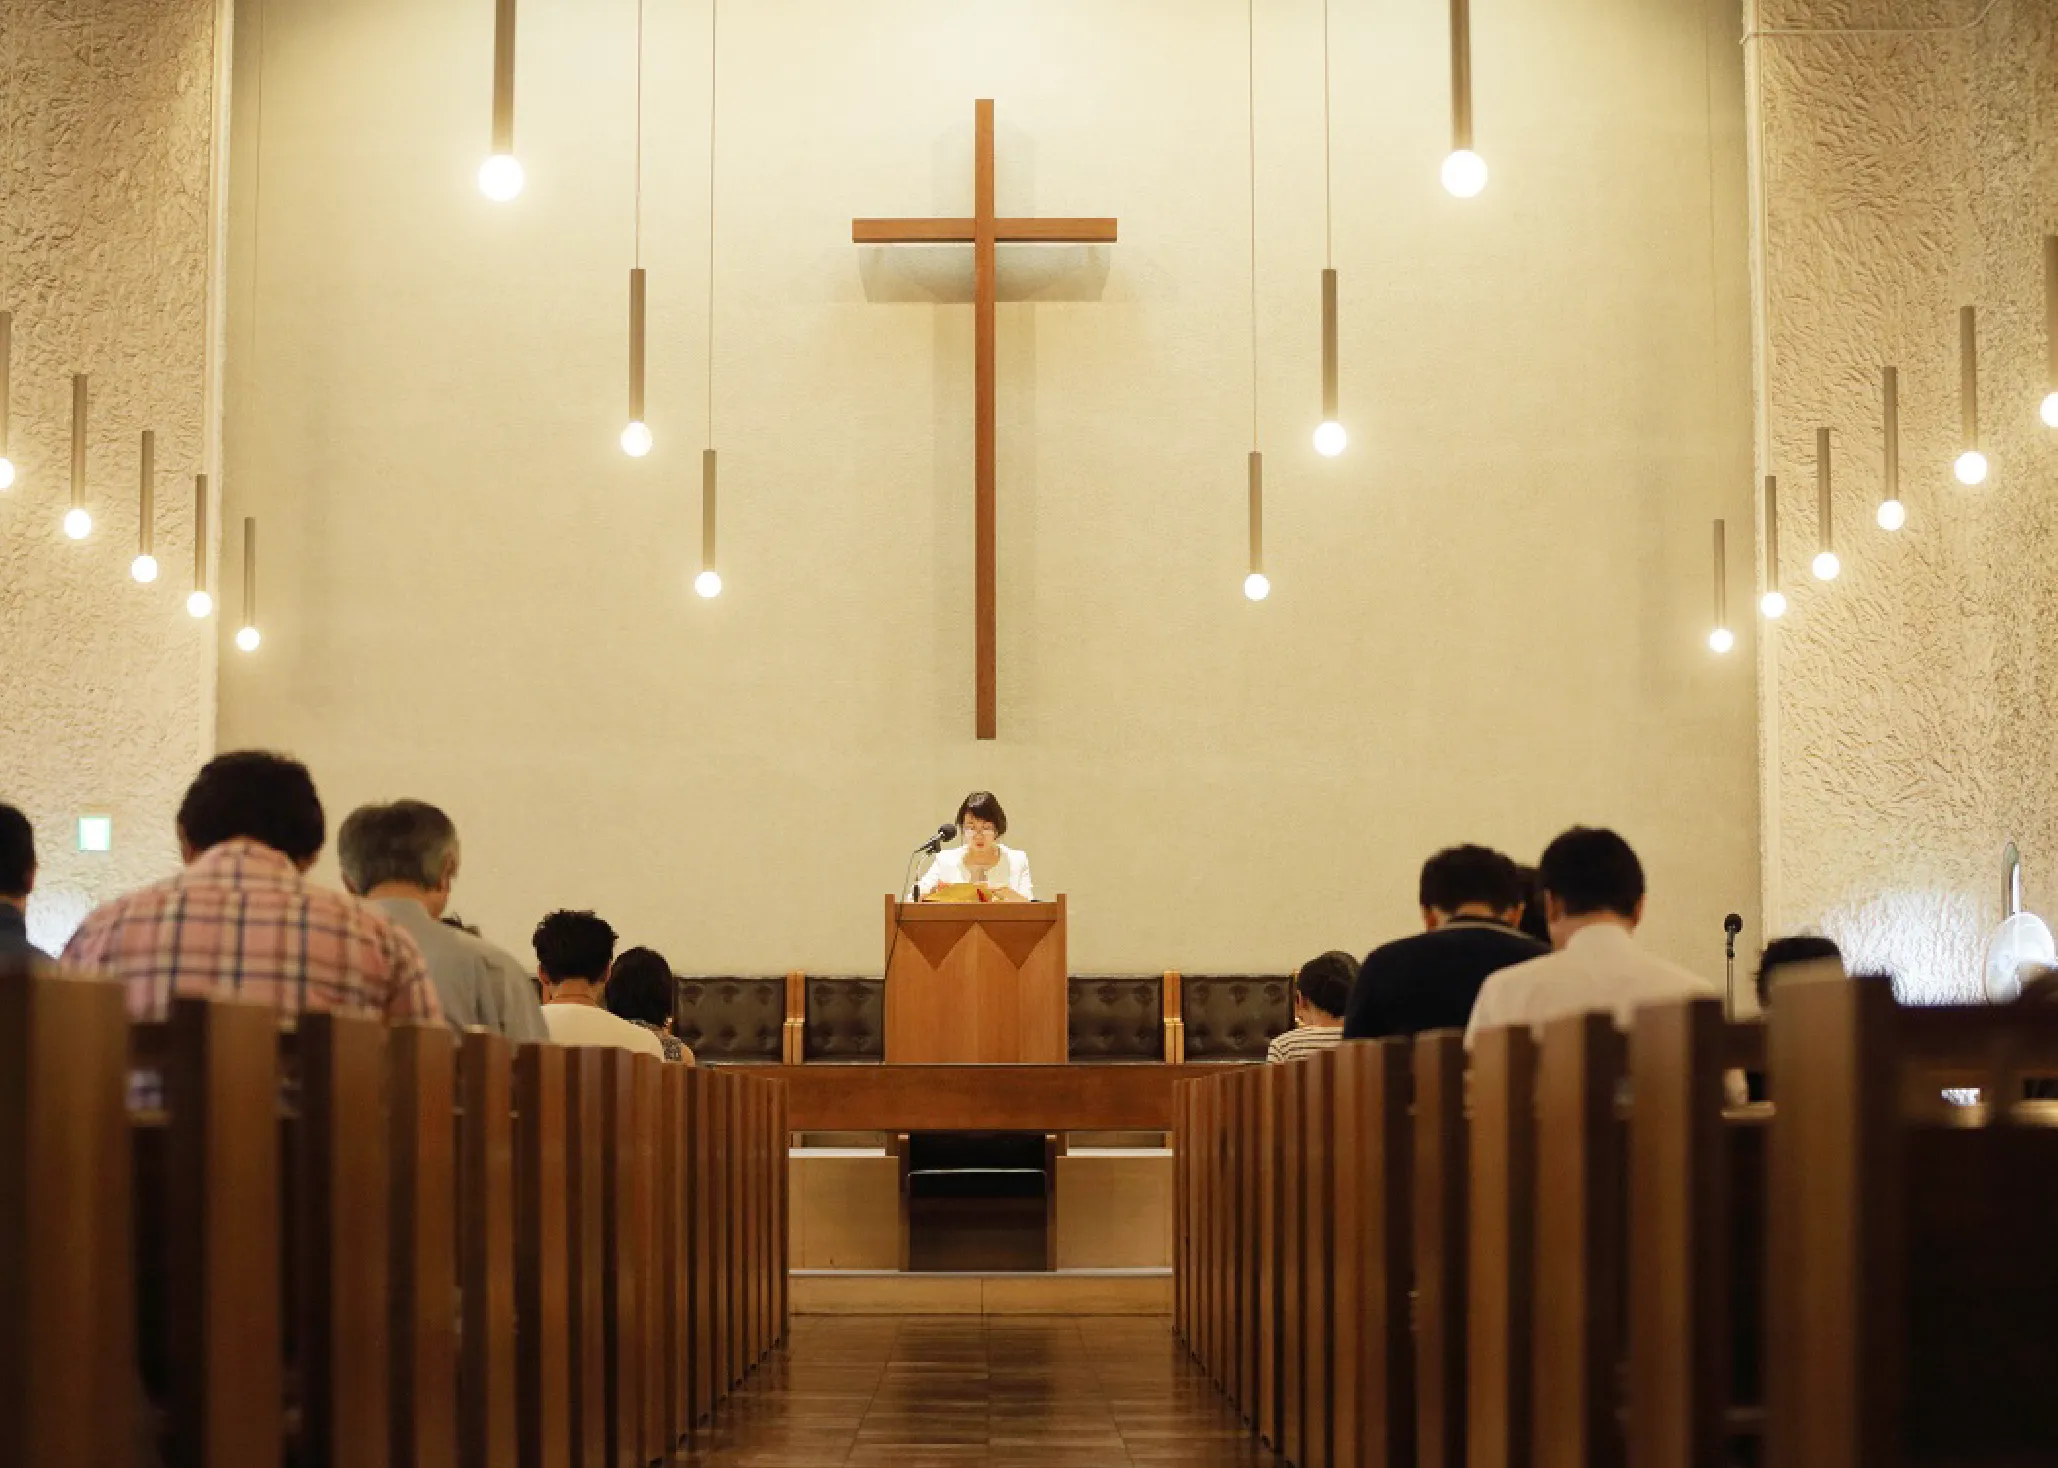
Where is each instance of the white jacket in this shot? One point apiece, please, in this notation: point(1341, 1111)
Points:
point(1012, 870)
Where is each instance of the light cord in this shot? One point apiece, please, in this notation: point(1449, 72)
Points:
point(713, 33)
point(1251, 98)
point(639, 135)
point(1328, 205)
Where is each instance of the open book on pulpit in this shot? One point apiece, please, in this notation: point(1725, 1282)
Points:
point(968, 892)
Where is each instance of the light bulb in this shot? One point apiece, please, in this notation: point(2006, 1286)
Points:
point(636, 440)
point(1971, 467)
point(199, 604)
point(1892, 514)
point(7, 465)
point(1773, 605)
point(1827, 566)
point(144, 569)
point(78, 524)
point(247, 639)
point(1464, 173)
point(1721, 640)
point(1256, 587)
point(708, 583)
point(2049, 413)
point(501, 177)
point(1330, 439)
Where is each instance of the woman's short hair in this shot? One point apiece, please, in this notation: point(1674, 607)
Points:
point(639, 987)
point(1325, 982)
point(981, 804)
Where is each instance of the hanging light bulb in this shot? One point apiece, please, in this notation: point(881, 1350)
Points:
point(501, 176)
point(1772, 605)
point(78, 521)
point(1827, 567)
point(1721, 639)
point(2049, 411)
point(1892, 513)
point(1971, 467)
point(6, 369)
point(709, 582)
point(1330, 437)
point(636, 438)
point(1464, 171)
point(1257, 586)
point(144, 567)
point(247, 637)
point(199, 604)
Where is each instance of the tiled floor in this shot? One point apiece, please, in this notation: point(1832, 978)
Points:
point(1056, 1392)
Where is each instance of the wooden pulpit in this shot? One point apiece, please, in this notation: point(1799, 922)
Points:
point(975, 983)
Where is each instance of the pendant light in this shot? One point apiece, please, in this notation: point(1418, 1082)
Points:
point(2049, 412)
point(636, 438)
point(78, 523)
point(708, 583)
point(501, 176)
point(199, 604)
point(1971, 467)
point(1721, 639)
point(1773, 603)
point(1892, 513)
point(1827, 566)
point(144, 567)
point(1464, 171)
point(247, 637)
point(1330, 437)
point(6, 371)
point(1256, 585)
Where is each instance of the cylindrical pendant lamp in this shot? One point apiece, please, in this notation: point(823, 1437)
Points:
point(1892, 513)
point(636, 439)
point(1464, 171)
point(1721, 639)
point(6, 390)
point(501, 176)
point(709, 581)
point(78, 522)
point(1256, 585)
point(1971, 467)
point(144, 567)
point(200, 603)
point(1827, 566)
point(1773, 603)
point(2049, 412)
point(247, 636)
point(1330, 437)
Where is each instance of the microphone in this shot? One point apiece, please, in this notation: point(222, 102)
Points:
point(1731, 926)
point(945, 834)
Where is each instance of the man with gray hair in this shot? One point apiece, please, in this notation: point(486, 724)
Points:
point(403, 858)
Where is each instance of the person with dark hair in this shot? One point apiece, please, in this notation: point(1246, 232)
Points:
point(1593, 887)
point(1802, 951)
point(574, 951)
point(403, 859)
point(1471, 898)
point(982, 862)
point(242, 919)
point(1534, 922)
point(1320, 990)
point(639, 990)
point(17, 881)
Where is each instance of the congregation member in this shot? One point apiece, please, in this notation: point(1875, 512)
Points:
point(1472, 898)
point(17, 881)
point(574, 951)
point(403, 859)
point(1321, 990)
point(639, 990)
point(241, 919)
point(1593, 890)
point(1802, 956)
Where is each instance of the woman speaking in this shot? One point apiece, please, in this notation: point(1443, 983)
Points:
point(982, 861)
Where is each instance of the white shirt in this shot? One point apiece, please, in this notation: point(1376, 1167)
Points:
point(1012, 870)
point(582, 1024)
point(1600, 968)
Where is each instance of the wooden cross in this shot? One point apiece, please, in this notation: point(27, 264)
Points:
point(983, 232)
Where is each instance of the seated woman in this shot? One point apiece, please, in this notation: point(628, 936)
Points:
point(982, 861)
point(1321, 993)
point(639, 990)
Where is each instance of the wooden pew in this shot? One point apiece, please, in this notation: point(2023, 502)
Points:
point(1318, 1128)
point(544, 1260)
point(1440, 1173)
point(1500, 1249)
point(422, 1079)
point(1371, 1268)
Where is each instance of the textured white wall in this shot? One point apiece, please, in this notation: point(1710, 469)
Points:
point(1909, 708)
point(1487, 621)
point(106, 687)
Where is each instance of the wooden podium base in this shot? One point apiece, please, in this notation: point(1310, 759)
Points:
point(975, 983)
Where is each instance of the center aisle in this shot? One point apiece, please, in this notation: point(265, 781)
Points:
point(924, 1392)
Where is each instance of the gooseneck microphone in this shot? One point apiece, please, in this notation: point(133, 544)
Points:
point(945, 834)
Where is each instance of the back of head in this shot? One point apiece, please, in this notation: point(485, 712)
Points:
point(639, 987)
point(574, 945)
point(17, 853)
point(1536, 920)
point(1325, 982)
point(1592, 871)
point(1467, 876)
point(256, 796)
point(408, 841)
point(1789, 952)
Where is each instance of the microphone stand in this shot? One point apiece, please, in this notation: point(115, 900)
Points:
point(1729, 980)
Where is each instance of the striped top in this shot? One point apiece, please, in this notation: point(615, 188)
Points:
point(1302, 1042)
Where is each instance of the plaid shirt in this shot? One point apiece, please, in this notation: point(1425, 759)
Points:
point(242, 921)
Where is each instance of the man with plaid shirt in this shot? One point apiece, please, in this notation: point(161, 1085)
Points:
point(241, 920)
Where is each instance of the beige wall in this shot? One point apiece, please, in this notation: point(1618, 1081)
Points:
point(1487, 621)
point(106, 236)
point(1909, 710)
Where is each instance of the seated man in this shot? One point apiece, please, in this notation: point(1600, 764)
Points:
point(402, 858)
point(1320, 990)
point(1472, 898)
point(17, 880)
point(241, 919)
point(573, 953)
point(1593, 888)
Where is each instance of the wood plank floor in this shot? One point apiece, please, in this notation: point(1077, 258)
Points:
point(1022, 1392)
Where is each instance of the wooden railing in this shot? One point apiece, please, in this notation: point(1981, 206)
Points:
point(1593, 1260)
point(356, 1245)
